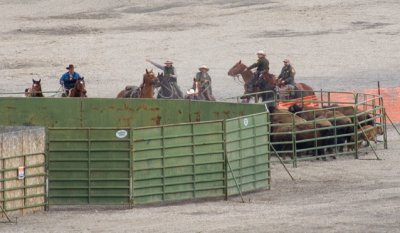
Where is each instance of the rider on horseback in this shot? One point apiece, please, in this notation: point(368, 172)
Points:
point(262, 65)
point(286, 78)
point(169, 72)
point(205, 81)
point(68, 79)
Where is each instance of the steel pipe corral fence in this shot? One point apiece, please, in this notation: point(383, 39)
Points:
point(133, 152)
point(310, 141)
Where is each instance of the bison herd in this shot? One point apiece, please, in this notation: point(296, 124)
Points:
point(320, 131)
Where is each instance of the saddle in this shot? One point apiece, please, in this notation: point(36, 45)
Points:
point(132, 92)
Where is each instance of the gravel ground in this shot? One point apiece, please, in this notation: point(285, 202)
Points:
point(344, 195)
point(334, 45)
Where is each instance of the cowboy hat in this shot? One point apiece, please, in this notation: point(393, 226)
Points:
point(168, 62)
point(70, 67)
point(190, 92)
point(260, 52)
point(204, 67)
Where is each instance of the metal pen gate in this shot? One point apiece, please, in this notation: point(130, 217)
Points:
point(158, 163)
point(247, 149)
point(89, 166)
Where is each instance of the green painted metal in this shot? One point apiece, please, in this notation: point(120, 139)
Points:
point(92, 112)
point(209, 111)
point(159, 163)
point(89, 166)
point(178, 162)
point(40, 112)
point(247, 150)
point(174, 149)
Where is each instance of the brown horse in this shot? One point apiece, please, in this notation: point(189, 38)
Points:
point(79, 89)
point(35, 90)
point(146, 89)
point(239, 69)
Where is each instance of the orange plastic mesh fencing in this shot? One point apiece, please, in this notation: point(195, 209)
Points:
point(391, 101)
point(311, 100)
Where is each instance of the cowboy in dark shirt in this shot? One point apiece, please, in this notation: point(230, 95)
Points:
point(169, 72)
point(262, 65)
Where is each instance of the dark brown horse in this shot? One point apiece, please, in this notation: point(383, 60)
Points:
point(35, 90)
point(145, 90)
point(239, 69)
point(79, 89)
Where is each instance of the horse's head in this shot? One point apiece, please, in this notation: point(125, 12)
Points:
point(36, 86)
point(295, 108)
point(237, 69)
point(80, 85)
point(150, 78)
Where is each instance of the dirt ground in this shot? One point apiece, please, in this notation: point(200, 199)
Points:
point(334, 45)
point(345, 195)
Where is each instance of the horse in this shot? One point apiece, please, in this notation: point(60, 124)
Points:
point(145, 90)
point(79, 89)
point(271, 82)
point(167, 90)
point(35, 90)
point(199, 93)
point(268, 83)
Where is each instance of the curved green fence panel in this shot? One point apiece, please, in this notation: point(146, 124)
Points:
point(96, 112)
point(178, 162)
point(247, 151)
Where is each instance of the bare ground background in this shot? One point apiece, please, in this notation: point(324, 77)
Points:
point(335, 45)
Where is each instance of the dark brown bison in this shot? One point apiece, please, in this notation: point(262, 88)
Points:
point(349, 111)
point(344, 127)
point(282, 134)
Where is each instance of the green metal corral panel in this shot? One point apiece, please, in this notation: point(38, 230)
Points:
point(94, 112)
point(178, 162)
point(40, 112)
point(89, 166)
point(247, 149)
point(209, 111)
point(133, 112)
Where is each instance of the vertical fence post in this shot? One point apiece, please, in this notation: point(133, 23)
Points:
point(89, 164)
point(225, 159)
point(131, 167)
point(46, 168)
point(384, 125)
point(163, 161)
point(355, 111)
point(383, 117)
point(294, 149)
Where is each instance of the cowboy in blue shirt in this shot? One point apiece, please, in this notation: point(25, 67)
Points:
point(68, 79)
